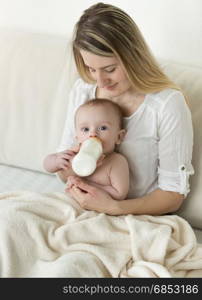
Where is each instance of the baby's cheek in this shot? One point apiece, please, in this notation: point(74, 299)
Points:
point(108, 147)
point(81, 138)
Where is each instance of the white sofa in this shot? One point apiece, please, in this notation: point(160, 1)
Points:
point(36, 74)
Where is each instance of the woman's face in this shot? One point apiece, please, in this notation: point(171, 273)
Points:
point(107, 72)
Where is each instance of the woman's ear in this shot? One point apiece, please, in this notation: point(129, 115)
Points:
point(121, 136)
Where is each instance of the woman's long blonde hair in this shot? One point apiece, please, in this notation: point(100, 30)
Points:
point(106, 30)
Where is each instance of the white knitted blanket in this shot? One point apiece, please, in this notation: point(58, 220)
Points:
point(49, 235)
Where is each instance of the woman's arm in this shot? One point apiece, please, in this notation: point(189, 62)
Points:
point(157, 202)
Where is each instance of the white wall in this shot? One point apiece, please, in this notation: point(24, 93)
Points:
point(173, 28)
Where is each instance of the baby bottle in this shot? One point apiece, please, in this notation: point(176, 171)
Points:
point(85, 161)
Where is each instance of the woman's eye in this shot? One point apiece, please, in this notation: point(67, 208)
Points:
point(91, 70)
point(110, 70)
point(103, 128)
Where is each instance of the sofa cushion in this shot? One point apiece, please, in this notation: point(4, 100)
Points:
point(34, 84)
point(190, 80)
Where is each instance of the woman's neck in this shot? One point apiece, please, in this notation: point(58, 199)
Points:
point(128, 101)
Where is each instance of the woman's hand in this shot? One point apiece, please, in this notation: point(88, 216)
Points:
point(90, 197)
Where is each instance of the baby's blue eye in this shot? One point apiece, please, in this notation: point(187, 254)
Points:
point(102, 128)
point(85, 129)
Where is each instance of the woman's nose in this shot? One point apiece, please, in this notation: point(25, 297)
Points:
point(101, 80)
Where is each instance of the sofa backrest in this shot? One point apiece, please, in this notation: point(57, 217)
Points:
point(190, 80)
point(35, 77)
point(36, 74)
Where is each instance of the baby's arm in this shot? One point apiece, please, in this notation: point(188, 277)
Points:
point(119, 178)
point(60, 161)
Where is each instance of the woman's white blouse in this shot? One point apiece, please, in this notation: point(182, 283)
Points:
point(158, 144)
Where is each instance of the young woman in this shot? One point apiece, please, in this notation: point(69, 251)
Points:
point(114, 62)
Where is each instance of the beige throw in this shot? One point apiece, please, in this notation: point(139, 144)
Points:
point(49, 235)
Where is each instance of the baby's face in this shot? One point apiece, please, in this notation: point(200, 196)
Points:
point(99, 121)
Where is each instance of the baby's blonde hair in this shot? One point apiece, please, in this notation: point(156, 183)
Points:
point(106, 30)
point(96, 102)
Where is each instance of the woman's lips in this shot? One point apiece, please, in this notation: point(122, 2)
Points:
point(111, 87)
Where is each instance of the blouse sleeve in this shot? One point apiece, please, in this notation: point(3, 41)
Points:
point(78, 95)
point(175, 145)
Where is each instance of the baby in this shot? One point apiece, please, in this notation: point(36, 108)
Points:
point(103, 119)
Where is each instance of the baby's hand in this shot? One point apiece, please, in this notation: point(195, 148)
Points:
point(63, 159)
point(72, 180)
